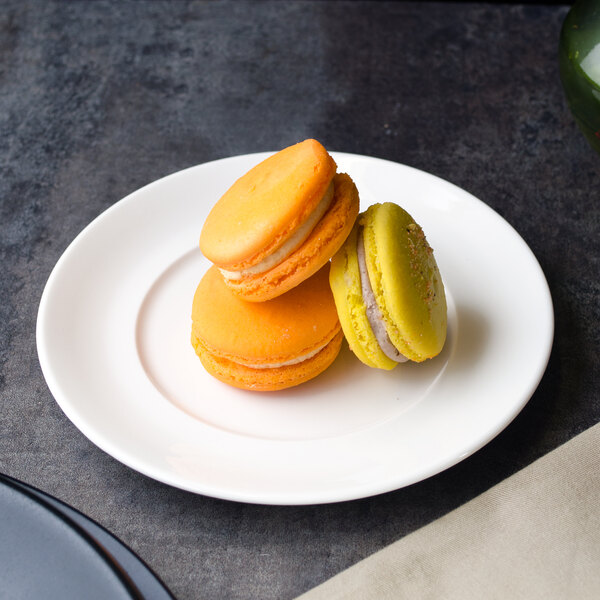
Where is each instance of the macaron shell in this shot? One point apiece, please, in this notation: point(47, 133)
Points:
point(344, 278)
point(258, 334)
point(264, 207)
point(323, 242)
point(268, 380)
point(405, 280)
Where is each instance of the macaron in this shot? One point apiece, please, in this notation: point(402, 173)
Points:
point(280, 222)
point(388, 289)
point(269, 345)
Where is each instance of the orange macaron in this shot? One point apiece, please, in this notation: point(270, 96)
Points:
point(265, 346)
point(280, 222)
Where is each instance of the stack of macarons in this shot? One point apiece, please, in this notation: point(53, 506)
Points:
point(295, 268)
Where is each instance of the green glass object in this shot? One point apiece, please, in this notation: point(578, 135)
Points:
point(579, 59)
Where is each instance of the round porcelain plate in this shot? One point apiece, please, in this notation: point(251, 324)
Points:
point(113, 339)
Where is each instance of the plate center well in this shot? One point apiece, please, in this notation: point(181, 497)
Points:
point(347, 397)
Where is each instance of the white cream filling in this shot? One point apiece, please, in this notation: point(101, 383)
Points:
point(293, 361)
point(374, 316)
point(290, 245)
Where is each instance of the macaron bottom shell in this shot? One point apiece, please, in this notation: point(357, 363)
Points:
point(268, 379)
point(344, 278)
point(323, 242)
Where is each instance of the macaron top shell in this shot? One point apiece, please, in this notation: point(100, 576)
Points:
point(405, 280)
point(254, 334)
point(266, 206)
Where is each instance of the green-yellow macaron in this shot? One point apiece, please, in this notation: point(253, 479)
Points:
point(388, 289)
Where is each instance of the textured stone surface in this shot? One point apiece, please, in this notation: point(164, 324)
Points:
point(98, 99)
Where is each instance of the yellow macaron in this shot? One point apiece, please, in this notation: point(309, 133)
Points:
point(388, 289)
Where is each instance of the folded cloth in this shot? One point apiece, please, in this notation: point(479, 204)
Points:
point(534, 535)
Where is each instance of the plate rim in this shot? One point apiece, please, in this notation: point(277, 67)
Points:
point(50, 514)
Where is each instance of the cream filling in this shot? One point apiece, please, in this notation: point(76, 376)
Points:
point(374, 315)
point(293, 361)
point(290, 245)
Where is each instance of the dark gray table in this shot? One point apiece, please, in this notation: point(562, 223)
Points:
point(98, 99)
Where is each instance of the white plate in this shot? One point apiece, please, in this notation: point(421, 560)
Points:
point(113, 341)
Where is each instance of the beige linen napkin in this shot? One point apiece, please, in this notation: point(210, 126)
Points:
point(534, 535)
